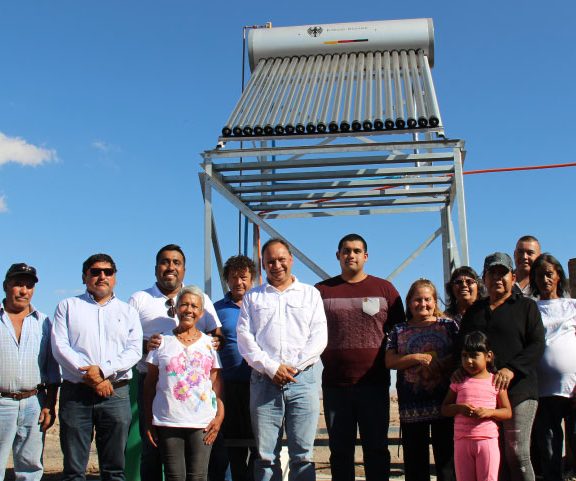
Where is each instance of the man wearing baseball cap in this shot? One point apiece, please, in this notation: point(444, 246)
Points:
point(515, 331)
point(29, 375)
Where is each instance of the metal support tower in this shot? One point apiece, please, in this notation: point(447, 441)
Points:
point(367, 175)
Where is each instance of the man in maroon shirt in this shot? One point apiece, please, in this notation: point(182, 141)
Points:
point(361, 309)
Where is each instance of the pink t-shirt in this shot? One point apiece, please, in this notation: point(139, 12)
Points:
point(478, 393)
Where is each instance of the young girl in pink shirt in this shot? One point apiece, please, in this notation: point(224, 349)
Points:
point(476, 404)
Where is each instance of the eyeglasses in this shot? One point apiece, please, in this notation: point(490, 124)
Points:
point(96, 271)
point(171, 307)
point(462, 282)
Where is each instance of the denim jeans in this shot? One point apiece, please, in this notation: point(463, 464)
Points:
point(184, 454)
point(363, 407)
point(81, 412)
point(549, 436)
point(515, 464)
point(296, 407)
point(21, 434)
point(416, 449)
point(150, 460)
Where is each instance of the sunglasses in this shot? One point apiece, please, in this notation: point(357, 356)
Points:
point(96, 271)
point(171, 307)
point(462, 282)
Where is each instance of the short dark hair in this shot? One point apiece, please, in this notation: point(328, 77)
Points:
point(275, 240)
point(352, 238)
point(477, 341)
point(451, 307)
point(170, 247)
point(98, 258)
point(528, 238)
point(239, 263)
point(550, 259)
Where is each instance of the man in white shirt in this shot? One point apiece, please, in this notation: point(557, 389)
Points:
point(96, 339)
point(157, 311)
point(281, 334)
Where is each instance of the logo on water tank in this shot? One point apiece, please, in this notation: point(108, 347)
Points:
point(315, 31)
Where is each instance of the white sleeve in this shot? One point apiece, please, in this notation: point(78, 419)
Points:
point(249, 349)
point(209, 321)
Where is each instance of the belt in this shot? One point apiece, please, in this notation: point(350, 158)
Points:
point(19, 395)
point(115, 385)
point(122, 383)
point(302, 370)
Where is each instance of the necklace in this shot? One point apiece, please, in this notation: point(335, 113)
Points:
point(186, 338)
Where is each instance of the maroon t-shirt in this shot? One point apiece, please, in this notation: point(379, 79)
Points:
point(359, 317)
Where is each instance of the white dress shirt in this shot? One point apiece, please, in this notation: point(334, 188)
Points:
point(154, 318)
point(86, 333)
point(282, 327)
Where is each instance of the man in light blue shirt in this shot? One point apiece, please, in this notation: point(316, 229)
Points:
point(97, 339)
point(29, 376)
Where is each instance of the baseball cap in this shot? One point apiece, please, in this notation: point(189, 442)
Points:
point(498, 259)
point(21, 269)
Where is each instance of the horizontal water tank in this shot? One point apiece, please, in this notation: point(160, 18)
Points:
point(410, 34)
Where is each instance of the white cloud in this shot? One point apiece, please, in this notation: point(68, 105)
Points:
point(104, 147)
point(3, 205)
point(16, 149)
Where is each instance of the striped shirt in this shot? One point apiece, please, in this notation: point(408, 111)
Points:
point(26, 364)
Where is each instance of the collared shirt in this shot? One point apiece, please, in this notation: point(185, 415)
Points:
point(87, 333)
point(25, 364)
point(234, 367)
point(154, 318)
point(282, 327)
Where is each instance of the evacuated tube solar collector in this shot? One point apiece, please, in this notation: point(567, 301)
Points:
point(331, 78)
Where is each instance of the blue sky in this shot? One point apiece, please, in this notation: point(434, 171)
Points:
point(105, 107)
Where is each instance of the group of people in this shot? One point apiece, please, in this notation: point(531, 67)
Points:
point(219, 384)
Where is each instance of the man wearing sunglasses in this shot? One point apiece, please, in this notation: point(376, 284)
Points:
point(29, 375)
point(157, 311)
point(97, 339)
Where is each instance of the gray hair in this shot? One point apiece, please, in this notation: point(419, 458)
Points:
point(193, 290)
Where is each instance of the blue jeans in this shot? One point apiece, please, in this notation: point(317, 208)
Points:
point(515, 434)
point(82, 411)
point(21, 434)
point(347, 409)
point(296, 407)
point(150, 460)
point(549, 436)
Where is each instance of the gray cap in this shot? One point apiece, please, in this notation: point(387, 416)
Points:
point(498, 259)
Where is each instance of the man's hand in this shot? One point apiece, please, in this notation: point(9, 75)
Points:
point(46, 419)
point(503, 378)
point(217, 342)
point(104, 389)
point(154, 342)
point(284, 375)
point(92, 375)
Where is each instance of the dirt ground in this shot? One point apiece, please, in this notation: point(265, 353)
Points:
point(53, 454)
